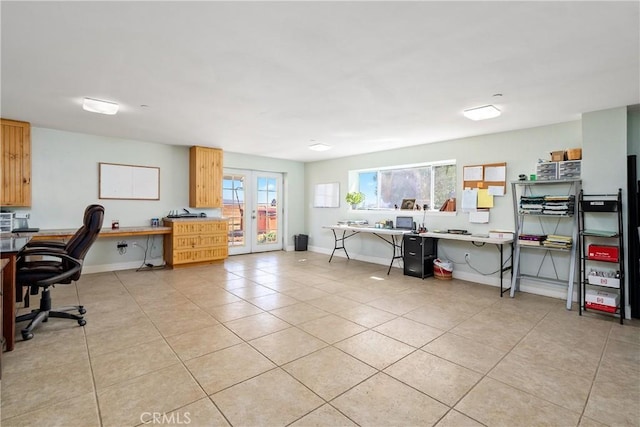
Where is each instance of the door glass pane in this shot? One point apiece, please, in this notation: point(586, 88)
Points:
point(233, 207)
point(267, 210)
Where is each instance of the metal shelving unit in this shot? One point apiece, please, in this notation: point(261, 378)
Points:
point(545, 224)
point(605, 212)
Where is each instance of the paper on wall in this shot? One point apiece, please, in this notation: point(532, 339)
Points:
point(485, 200)
point(496, 190)
point(481, 216)
point(472, 173)
point(469, 200)
point(495, 173)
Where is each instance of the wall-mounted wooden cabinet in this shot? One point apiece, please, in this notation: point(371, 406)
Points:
point(16, 163)
point(205, 177)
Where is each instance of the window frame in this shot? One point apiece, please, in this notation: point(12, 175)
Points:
point(354, 182)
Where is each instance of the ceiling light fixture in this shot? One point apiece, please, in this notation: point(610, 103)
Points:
point(482, 113)
point(99, 106)
point(319, 147)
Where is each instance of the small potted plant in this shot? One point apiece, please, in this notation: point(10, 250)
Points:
point(354, 198)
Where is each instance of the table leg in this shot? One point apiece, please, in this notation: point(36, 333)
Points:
point(340, 239)
point(9, 301)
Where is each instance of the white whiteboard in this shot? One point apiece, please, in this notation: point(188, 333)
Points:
point(129, 182)
point(327, 195)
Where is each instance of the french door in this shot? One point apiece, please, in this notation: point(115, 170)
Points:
point(253, 205)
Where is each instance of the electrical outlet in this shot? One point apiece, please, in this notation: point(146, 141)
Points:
point(122, 244)
point(467, 256)
point(134, 244)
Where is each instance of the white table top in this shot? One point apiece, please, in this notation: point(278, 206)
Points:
point(467, 237)
point(369, 229)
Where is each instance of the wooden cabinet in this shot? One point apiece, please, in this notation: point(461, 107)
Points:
point(195, 241)
point(16, 163)
point(205, 177)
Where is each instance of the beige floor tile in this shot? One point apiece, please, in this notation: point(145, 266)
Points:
point(256, 326)
point(397, 304)
point(614, 397)
point(436, 377)
point(499, 330)
point(465, 352)
point(539, 347)
point(202, 341)
point(562, 387)
point(494, 403)
point(132, 362)
point(382, 400)
point(77, 411)
point(253, 291)
point(299, 313)
point(33, 389)
point(324, 416)
point(128, 402)
point(200, 413)
point(224, 368)
point(629, 332)
point(306, 293)
point(331, 328)
point(117, 339)
point(233, 311)
point(588, 422)
point(329, 372)
point(622, 354)
point(334, 303)
point(286, 345)
point(375, 349)
point(276, 399)
point(273, 301)
point(366, 316)
point(409, 331)
point(456, 419)
point(443, 317)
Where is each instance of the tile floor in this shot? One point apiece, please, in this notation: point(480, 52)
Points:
point(288, 339)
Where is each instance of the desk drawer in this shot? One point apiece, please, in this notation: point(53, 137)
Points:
point(190, 242)
point(207, 227)
point(199, 255)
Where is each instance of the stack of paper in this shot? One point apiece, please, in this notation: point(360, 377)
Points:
point(559, 242)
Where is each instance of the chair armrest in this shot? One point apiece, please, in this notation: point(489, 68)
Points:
point(45, 244)
point(76, 266)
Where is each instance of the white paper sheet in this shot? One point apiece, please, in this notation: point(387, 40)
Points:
point(496, 190)
point(472, 173)
point(495, 173)
point(480, 216)
point(469, 200)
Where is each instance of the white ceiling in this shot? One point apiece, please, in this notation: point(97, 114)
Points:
point(272, 78)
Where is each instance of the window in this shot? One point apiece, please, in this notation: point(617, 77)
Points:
point(431, 184)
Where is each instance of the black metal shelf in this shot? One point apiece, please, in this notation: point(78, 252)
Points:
point(601, 206)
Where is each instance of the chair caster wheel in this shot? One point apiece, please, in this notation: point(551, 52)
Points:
point(82, 322)
point(82, 310)
point(27, 336)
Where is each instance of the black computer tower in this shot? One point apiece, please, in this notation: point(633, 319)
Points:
point(418, 255)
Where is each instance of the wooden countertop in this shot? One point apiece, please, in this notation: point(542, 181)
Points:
point(65, 233)
point(194, 218)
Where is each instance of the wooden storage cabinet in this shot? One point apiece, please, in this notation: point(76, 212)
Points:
point(205, 177)
point(16, 163)
point(195, 241)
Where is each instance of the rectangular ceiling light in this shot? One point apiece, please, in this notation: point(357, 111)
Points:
point(99, 106)
point(319, 147)
point(482, 113)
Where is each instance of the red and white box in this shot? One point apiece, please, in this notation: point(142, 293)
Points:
point(603, 253)
point(610, 282)
point(599, 300)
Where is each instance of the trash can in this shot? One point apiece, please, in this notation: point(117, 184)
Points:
point(300, 241)
point(442, 269)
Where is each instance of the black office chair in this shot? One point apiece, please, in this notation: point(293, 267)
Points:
point(65, 268)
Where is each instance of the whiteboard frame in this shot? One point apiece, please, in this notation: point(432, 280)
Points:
point(128, 182)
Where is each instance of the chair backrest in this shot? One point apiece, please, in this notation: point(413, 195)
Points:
point(79, 244)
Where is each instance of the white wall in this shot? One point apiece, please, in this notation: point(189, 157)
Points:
point(65, 180)
point(521, 149)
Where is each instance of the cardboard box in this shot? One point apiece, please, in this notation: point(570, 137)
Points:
point(498, 234)
point(610, 282)
point(557, 156)
point(603, 253)
point(600, 307)
point(602, 298)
